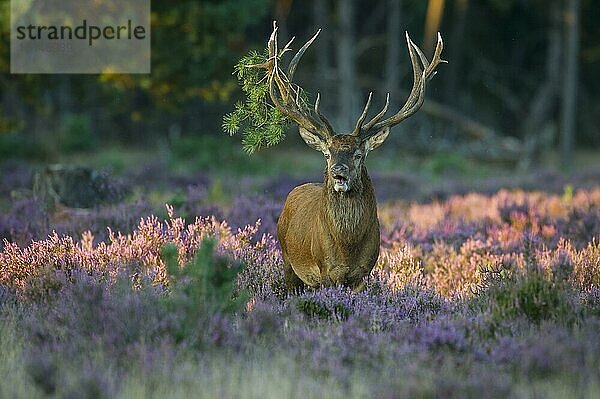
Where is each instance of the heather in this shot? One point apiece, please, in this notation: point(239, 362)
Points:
point(138, 211)
point(488, 295)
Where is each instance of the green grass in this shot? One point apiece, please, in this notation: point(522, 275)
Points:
point(224, 156)
point(15, 382)
point(261, 376)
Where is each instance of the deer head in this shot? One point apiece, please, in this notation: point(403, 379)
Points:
point(344, 153)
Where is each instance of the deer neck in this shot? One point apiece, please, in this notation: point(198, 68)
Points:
point(348, 215)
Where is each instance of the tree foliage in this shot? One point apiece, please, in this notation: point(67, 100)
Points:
point(194, 45)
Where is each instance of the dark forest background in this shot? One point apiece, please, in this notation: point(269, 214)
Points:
point(522, 78)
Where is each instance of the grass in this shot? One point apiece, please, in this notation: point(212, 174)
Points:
point(260, 375)
point(224, 157)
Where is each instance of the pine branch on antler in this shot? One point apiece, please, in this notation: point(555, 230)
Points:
point(263, 79)
point(261, 118)
point(260, 123)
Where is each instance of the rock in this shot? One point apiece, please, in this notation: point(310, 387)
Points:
point(75, 186)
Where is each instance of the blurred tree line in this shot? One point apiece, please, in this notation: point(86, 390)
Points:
point(521, 77)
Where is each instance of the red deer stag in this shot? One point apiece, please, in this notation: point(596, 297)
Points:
point(329, 232)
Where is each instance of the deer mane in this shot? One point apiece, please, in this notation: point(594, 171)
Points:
point(346, 213)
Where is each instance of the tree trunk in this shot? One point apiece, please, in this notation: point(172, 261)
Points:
point(393, 42)
point(545, 99)
point(451, 75)
point(320, 15)
point(346, 63)
point(282, 11)
point(435, 11)
point(570, 79)
point(64, 97)
point(323, 74)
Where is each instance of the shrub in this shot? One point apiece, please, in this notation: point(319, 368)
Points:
point(6, 295)
point(44, 285)
point(532, 295)
point(203, 286)
point(17, 145)
point(587, 266)
point(201, 151)
point(247, 210)
point(313, 308)
point(27, 220)
point(76, 133)
point(15, 176)
point(325, 304)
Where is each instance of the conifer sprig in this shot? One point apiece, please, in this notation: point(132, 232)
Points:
point(259, 121)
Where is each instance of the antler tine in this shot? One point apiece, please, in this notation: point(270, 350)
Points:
point(436, 59)
point(292, 109)
point(361, 118)
point(287, 48)
point(282, 92)
point(299, 54)
point(377, 117)
point(418, 75)
point(424, 60)
point(273, 41)
point(422, 71)
point(322, 117)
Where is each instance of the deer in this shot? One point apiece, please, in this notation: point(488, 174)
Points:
point(329, 232)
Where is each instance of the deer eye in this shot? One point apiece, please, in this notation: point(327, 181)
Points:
point(327, 156)
point(357, 156)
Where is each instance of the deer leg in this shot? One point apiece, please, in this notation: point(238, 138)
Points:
point(360, 287)
point(292, 281)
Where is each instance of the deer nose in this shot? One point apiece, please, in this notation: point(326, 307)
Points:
point(339, 169)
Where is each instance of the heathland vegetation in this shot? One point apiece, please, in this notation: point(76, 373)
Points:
point(473, 294)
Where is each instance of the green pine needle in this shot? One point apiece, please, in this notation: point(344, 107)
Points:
point(260, 123)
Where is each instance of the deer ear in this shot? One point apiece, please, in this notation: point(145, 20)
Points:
point(376, 140)
point(313, 141)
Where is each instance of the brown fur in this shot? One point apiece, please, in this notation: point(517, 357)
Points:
point(329, 238)
point(329, 233)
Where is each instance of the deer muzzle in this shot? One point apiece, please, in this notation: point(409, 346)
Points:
point(341, 182)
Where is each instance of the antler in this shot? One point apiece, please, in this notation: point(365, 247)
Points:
point(285, 95)
point(423, 70)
